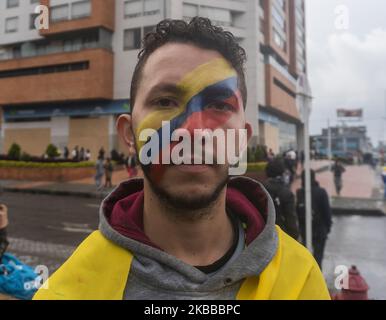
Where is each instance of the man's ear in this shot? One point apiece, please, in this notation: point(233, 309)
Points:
point(249, 131)
point(125, 129)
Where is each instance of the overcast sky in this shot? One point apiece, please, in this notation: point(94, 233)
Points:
point(347, 61)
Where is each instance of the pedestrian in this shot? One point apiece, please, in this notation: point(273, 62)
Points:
point(101, 153)
point(82, 154)
point(108, 173)
point(75, 153)
point(100, 171)
point(283, 198)
point(384, 181)
point(88, 155)
point(131, 162)
point(66, 153)
point(321, 216)
point(338, 170)
point(271, 155)
point(187, 231)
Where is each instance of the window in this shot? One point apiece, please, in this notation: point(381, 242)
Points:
point(151, 7)
point(190, 10)
point(217, 15)
point(81, 9)
point(32, 19)
point(59, 13)
point(11, 24)
point(132, 39)
point(148, 29)
point(12, 3)
point(133, 8)
point(76, 66)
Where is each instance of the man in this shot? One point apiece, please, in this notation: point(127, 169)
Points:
point(187, 231)
point(321, 216)
point(283, 198)
point(338, 170)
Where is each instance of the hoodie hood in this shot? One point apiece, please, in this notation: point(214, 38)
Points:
point(121, 221)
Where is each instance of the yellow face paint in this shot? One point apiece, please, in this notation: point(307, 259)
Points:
point(192, 84)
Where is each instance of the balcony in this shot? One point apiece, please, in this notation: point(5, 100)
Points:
point(60, 77)
point(102, 15)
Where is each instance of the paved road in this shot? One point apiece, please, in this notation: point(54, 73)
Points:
point(360, 241)
point(45, 229)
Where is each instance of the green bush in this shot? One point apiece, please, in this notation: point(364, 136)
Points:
point(25, 157)
point(14, 152)
point(52, 151)
point(26, 164)
point(256, 167)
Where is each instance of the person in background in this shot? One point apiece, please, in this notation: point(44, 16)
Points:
point(283, 198)
point(384, 181)
point(108, 173)
point(271, 155)
point(131, 162)
point(82, 155)
point(321, 216)
point(338, 170)
point(87, 155)
point(100, 171)
point(75, 154)
point(101, 153)
point(66, 153)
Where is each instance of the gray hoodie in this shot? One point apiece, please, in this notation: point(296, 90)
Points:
point(154, 274)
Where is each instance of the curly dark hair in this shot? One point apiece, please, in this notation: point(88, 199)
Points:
point(200, 32)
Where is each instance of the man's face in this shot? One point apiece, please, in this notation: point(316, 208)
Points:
point(191, 88)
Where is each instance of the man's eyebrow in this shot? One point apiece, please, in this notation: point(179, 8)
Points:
point(166, 87)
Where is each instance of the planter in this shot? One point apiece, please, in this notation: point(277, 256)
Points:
point(46, 174)
point(258, 176)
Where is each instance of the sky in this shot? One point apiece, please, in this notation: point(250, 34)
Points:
point(346, 43)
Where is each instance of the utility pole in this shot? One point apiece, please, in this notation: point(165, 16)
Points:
point(304, 103)
point(329, 143)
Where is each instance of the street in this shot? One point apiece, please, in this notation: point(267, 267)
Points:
point(44, 230)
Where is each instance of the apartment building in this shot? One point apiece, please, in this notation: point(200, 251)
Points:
point(66, 85)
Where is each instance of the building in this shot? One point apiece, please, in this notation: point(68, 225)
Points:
point(66, 85)
point(346, 142)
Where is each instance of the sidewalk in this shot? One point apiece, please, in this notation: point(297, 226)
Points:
point(361, 192)
point(82, 188)
point(86, 187)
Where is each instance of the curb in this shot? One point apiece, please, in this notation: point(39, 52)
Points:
point(96, 195)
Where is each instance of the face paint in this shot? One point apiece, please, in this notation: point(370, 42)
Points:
point(210, 97)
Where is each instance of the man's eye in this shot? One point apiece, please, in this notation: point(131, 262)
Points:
point(166, 103)
point(219, 106)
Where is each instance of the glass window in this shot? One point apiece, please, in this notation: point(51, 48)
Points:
point(32, 18)
point(151, 7)
point(148, 29)
point(59, 13)
point(11, 24)
point(132, 39)
point(133, 8)
point(12, 3)
point(81, 9)
point(217, 15)
point(190, 10)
